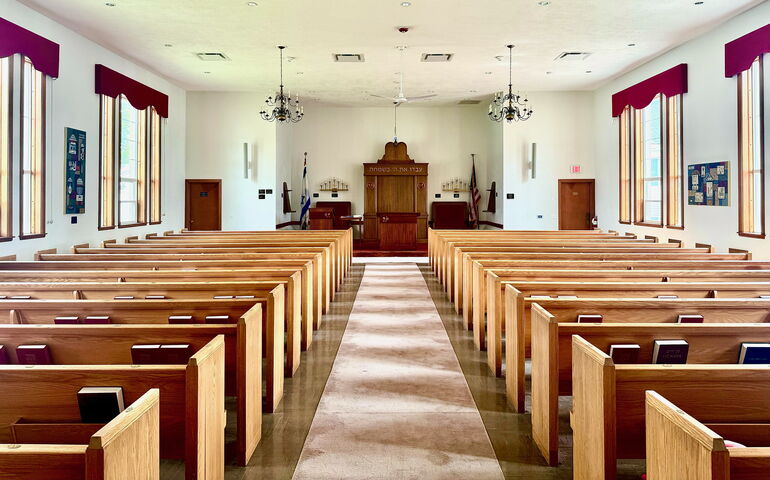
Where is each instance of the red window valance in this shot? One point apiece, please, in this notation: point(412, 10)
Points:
point(113, 84)
point(741, 52)
point(43, 53)
point(671, 82)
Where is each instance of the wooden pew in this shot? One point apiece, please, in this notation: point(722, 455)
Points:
point(194, 270)
point(552, 358)
point(482, 277)
point(608, 402)
point(111, 345)
point(343, 240)
point(298, 335)
point(622, 310)
point(459, 256)
point(519, 307)
point(191, 412)
point(342, 259)
point(126, 448)
point(310, 263)
point(297, 292)
point(680, 447)
point(157, 312)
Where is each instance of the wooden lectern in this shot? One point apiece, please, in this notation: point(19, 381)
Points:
point(321, 218)
point(394, 186)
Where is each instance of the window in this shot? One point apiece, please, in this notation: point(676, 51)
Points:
point(625, 166)
point(674, 163)
point(154, 166)
point(32, 186)
point(107, 164)
point(751, 192)
point(6, 109)
point(132, 165)
point(648, 153)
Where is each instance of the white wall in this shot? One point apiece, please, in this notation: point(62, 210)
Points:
point(218, 123)
point(339, 140)
point(709, 135)
point(563, 138)
point(73, 103)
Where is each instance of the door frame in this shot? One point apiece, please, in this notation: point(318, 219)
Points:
point(590, 181)
point(187, 183)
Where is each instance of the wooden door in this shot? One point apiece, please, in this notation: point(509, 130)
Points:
point(203, 204)
point(576, 204)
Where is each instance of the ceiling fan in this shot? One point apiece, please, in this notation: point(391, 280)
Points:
point(401, 98)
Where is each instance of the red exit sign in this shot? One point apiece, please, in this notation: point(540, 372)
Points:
point(574, 169)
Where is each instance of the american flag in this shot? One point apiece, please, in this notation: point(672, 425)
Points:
point(304, 216)
point(473, 215)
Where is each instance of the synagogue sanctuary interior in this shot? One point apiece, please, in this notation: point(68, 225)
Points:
point(384, 240)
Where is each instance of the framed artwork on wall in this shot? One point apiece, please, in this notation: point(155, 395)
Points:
point(708, 184)
point(75, 171)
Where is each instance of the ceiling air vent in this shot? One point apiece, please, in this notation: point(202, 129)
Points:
point(570, 56)
point(437, 57)
point(469, 102)
point(349, 57)
point(213, 57)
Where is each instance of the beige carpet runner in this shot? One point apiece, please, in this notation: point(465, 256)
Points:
point(396, 404)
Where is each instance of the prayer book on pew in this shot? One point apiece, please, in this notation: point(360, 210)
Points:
point(66, 320)
point(689, 319)
point(100, 404)
point(155, 297)
point(124, 297)
point(217, 318)
point(175, 354)
point(97, 320)
point(670, 352)
point(589, 319)
point(33, 355)
point(625, 353)
point(754, 353)
point(764, 296)
point(566, 297)
point(223, 297)
point(145, 354)
point(180, 319)
point(244, 296)
point(668, 297)
point(540, 297)
point(20, 297)
point(4, 360)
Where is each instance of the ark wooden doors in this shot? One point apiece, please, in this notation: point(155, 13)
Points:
point(203, 204)
point(576, 204)
point(395, 185)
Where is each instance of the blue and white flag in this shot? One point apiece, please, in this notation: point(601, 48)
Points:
point(304, 216)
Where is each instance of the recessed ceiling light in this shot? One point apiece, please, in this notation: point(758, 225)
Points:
point(473, 91)
point(206, 73)
point(406, 4)
point(543, 3)
point(300, 73)
point(698, 3)
point(548, 73)
point(631, 44)
point(168, 45)
point(252, 4)
point(110, 4)
point(588, 71)
point(487, 73)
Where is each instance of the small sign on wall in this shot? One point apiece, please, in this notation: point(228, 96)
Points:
point(574, 169)
point(75, 175)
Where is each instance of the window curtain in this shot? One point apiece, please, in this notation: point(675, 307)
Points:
point(670, 83)
point(113, 84)
point(741, 52)
point(43, 53)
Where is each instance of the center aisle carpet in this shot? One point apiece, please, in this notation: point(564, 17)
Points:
point(396, 404)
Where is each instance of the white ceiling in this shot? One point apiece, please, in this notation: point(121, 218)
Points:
point(475, 31)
